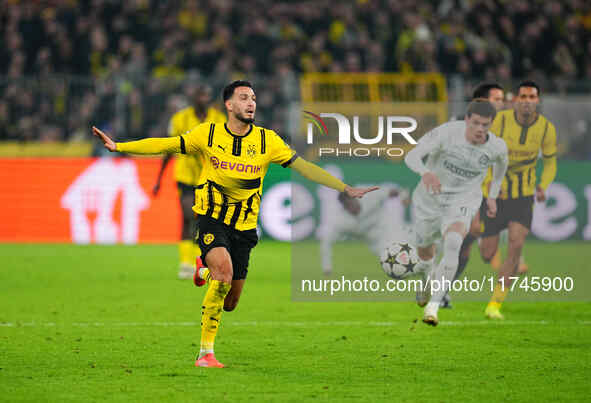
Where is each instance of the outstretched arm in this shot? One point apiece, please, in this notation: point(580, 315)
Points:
point(316, 174)
point(157, 145)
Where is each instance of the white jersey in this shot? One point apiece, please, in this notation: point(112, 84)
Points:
point(460, 166)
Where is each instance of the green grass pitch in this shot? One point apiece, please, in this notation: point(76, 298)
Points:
point(112, 323)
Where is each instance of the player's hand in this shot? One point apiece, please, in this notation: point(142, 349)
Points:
point(358, 192)
point(491, 205)
point(540, 194)
point(107, 142)
point(431, 182)
point(156, 189)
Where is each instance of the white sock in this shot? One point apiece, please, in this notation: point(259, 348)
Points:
point(205, 351)
point(424, 266)
point(445, 271)
point(201, 273)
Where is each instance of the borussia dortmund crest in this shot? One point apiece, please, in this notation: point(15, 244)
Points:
point(251, 151)
point(208, 238)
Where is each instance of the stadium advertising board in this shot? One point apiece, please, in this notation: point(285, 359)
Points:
point(85, 200)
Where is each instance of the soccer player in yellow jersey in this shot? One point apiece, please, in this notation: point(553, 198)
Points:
point(235, 156)
point(187, 170)
point(527, 134)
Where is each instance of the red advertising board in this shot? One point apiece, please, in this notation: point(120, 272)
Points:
point(86, 200)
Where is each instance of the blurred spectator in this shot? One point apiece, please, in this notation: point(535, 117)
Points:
point(119, 63)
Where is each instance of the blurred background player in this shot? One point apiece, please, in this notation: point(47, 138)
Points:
point(527, 134)
point(458, 155)
point(493, 92)
point(372, 219)
point(187, 169)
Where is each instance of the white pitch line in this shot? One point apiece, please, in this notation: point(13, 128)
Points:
point(300, 324)
point(402, 323)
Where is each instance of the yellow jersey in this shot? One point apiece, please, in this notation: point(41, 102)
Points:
point(233, 168)
point(187, 168)
point(524, 144)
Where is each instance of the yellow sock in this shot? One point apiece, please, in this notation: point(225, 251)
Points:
point(497, 261)
point(186, 252)
point(499, 295)
point(212, 313)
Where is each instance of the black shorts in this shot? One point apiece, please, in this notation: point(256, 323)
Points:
point(213, 233)
point(185, 190)
point(519, 210)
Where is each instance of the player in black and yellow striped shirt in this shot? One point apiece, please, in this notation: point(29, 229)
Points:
point(527, 134)
point(187, 170)
point(236, 157)
point(231, 181)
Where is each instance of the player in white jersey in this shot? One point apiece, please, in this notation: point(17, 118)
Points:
point(495, 94)
point(449, 194)
point(376, 219)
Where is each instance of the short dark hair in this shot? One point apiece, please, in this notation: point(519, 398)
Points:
point(483, 90)
point(229, 89)
point(482, 107)
point(528, 83)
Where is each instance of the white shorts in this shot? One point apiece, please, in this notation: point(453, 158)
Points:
point(433, 215)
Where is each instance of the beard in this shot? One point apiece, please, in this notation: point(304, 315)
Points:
point(528, 110)
point(243, 119)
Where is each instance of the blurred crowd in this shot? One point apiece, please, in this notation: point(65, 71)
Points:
point(123, 64)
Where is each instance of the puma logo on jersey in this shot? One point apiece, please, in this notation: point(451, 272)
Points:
point(223, 149)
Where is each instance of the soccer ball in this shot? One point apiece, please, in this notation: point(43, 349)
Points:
point(399, 259)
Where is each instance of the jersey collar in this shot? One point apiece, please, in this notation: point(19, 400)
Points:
point(525, 126)
point(237, 135)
